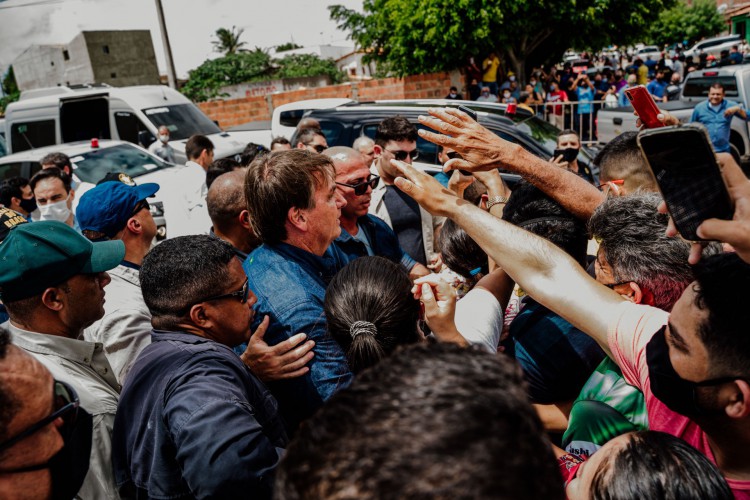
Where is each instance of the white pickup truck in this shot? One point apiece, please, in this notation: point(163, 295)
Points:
point(736, 82)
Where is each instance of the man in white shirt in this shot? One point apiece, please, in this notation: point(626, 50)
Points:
point(161, 148)
point(52, 282)
point(185, 208)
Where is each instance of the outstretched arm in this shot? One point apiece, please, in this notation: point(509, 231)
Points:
point(483, 150)
point(544, 271)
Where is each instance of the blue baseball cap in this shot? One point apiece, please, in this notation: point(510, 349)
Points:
point(107, 207)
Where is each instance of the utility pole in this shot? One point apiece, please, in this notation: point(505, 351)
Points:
point(171, 76)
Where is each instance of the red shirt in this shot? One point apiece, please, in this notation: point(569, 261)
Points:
point(558, 96)
point(628, 336)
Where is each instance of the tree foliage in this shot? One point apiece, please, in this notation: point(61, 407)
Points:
point(422, 36)
point(287, 46)
point(10, 90)
point(687, 22)
point(228, 41)
point(205, 82)
point(304, 65)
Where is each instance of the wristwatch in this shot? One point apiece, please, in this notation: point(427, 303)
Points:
point(495, 200)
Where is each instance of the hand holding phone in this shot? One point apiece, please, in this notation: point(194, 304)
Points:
point(644, 106)
point(685, 168)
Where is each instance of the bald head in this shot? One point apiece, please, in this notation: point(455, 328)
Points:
point(351, 169)
point(365, 145)
point(343, 157)
point(226, 199)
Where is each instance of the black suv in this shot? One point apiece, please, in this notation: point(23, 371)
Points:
point(342, 125)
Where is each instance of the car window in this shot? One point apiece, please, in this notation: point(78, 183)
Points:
point(291, 118)
point(93, 165)
point(698, 86)
point(182, 120)
point(332, 131)
point(129, 126)
point(14, 169)
point(31, 135)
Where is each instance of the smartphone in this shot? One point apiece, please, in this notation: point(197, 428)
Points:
point(568, 154)
point(644, 105)
point(473, 115)
point(685, 168)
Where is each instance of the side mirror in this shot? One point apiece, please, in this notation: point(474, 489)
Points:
point(146, 138)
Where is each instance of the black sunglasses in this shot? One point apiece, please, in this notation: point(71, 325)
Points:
point(240, 294)
point(140, 206)
point(401, 155)
point(66, 402)
point(612, 286)
point(360, 188)
point(318, 147)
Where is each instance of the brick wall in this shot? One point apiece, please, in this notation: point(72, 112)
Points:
point(249, 109)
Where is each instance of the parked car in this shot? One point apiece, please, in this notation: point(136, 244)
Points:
point(714, 46)
point(343, 124)
point(287, 116)
point(736, 82)
point(59, 115)
point(92, 160)
point(651, 51)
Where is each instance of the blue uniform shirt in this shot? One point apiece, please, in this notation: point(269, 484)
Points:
point(717, 124)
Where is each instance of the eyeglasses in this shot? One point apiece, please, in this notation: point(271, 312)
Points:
point(240, 294)
point(66, 401)
point(401, 155)
point(360, 188)
point(140, 206)
point(317, 147)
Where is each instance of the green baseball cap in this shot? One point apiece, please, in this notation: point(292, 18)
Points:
point(36, 256)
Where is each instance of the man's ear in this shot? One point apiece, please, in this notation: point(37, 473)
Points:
point(198, 315)
point(51, 298)
point(72, 195)
point(297, 218)
point(244, 219)
point(738, 405)
point(134, 225)
point(378, 150)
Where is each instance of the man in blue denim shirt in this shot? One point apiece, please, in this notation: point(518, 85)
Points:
point(193, 421)
point(716, 115)
point(295, 209)
point(362, 233)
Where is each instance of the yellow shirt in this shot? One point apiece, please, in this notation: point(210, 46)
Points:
point(490, 69)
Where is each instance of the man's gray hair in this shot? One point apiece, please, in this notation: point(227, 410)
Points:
point(632, 237)
point(361, 142)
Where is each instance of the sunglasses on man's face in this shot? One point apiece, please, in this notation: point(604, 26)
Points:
point(66, 404)
point(140, 206)
point(360, 188)
point(401, 155)
point(317, 147)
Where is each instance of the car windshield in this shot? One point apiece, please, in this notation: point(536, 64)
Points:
point(699, 86)
point(182, 120)
point(93, 165)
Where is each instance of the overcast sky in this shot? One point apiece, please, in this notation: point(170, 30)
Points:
point(190, 23)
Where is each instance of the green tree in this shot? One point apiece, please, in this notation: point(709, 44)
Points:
point(10, 90)
point(228, 41)
point(422, 36)
point(687, 22)
point(287, 46)
point(205, 81)
point(305, 65)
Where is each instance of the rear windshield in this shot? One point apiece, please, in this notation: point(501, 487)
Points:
point(182, 120)
point(698, 86)
point(93, 165)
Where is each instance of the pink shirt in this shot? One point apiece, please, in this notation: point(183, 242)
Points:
point(629, 334)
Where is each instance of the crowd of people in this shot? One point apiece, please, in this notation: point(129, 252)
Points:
point(335, 323)
point(572, 96)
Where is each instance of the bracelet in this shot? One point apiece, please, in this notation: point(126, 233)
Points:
point(496, 200)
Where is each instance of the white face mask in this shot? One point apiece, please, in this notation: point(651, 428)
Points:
point(58, 211)
point(164, 138)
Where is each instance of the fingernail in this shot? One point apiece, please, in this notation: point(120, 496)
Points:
point(299, 336)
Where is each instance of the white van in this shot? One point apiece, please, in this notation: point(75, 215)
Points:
point(57, 115)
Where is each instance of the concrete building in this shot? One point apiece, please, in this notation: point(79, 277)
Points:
point(118, 58)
